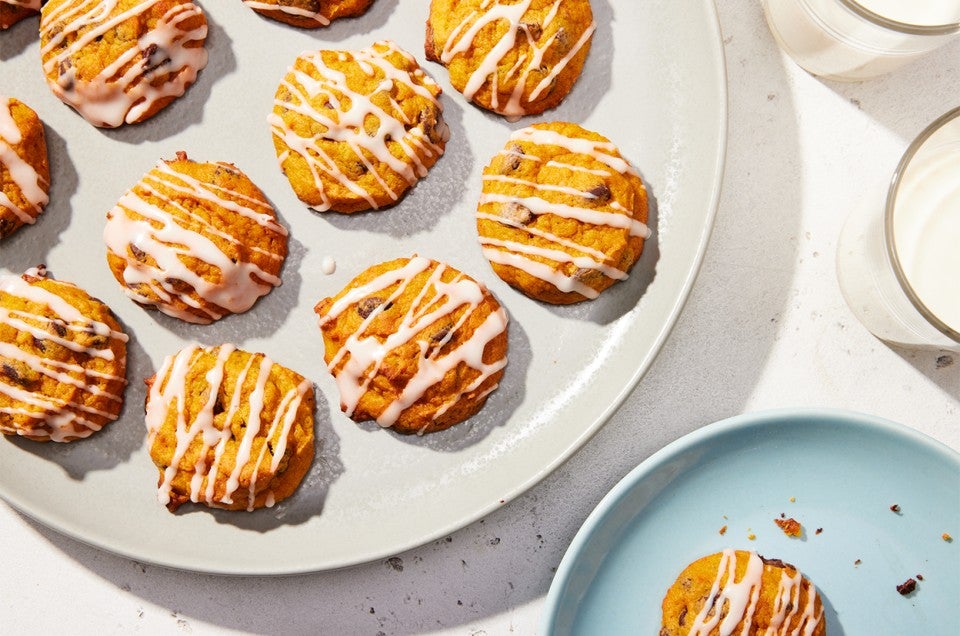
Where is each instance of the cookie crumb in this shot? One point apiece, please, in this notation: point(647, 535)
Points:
point(751, 536)
point(818, 531)
point(857, 562)
point(895, 508)
point(791, 527)
point(907, 587)
point(919, 577)
point(946, 537)
point(723, 530)
point(793, 499)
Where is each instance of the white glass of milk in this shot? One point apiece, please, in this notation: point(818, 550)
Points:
point(853, 40)
point(899, 265)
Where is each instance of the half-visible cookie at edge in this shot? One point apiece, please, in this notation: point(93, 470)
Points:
point(734, 590)
point(512, 58)
point(12, 11)
point(24, 166)
point(308, 14)
point(63, 359)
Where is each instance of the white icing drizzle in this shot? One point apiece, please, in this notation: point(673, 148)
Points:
point(60, 420)
point(353, 110)
point(168, 394)
point(33, 5)
point(529, 258)
point(316, 16)
point(123, 91)
point(27, 180)
point(462, 37)
point(166, 237)
point(741, 597)
point(361, 356)
point(603, 151)
point(538, 205)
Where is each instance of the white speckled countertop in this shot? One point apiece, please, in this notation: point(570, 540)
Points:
point(765, 327)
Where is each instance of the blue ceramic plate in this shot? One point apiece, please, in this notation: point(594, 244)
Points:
point(831, 470)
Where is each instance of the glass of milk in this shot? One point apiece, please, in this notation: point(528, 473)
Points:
point(852, 40)
point(899, 265)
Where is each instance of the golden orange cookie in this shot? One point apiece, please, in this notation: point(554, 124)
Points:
point(354, 130)
point(414, 344)
point(308, 14)
point(63, 359)
point(121, 61)
point(198, 241)
point(739, 592)
point(513, 57)
point(228, 428)
point(562, 215)
point(24, 166)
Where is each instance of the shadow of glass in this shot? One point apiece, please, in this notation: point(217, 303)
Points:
point(30, 244)
point(939, 366)
point(892, 99)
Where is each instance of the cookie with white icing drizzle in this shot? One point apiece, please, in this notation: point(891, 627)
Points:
point(740, 592)
point(63, 358)
point(562, 215)
point(121, 61)
point(354, 130)
point(308, 14)
point(513, 57)
point(24, 166)
point(414, 344)
point(228, 429)
point(198, 241)
point(12, 11)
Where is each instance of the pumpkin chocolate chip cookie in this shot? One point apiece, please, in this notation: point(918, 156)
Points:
point(63, 359)
point(354, 130)
point(198, 241)
point(513, 57)
point(562, 216)
point(414, 344)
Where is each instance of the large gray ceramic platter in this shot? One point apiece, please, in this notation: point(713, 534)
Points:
point(654, 83)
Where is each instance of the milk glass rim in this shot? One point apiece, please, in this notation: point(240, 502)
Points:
point(908, 156)
point(902, 27)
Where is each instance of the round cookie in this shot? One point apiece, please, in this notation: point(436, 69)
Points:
point(228, 429)
point(63, 360)
point(515, 59)
point(562, 215)
point(308, 14)
point(195, 240)
point(354, 130)
point(24, 167)
point(121, 61)
point(413, 344)
point(12, 11)
point(785, 601)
